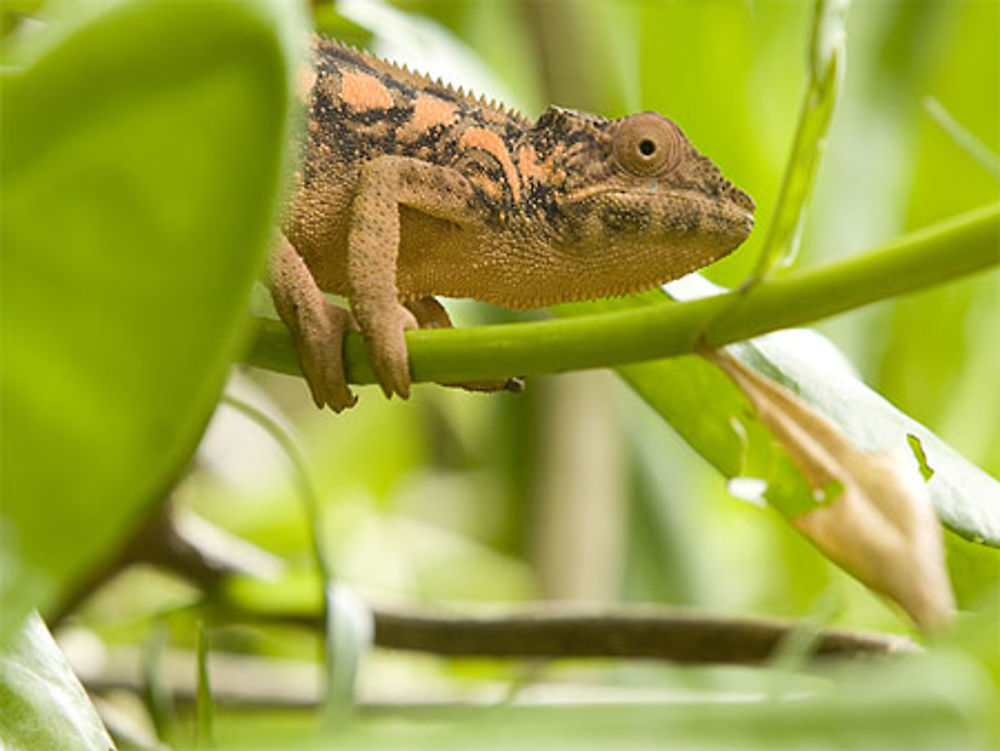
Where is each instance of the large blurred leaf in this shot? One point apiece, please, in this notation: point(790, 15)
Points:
point(919, 704)
point(142, 149)
point(44, 706)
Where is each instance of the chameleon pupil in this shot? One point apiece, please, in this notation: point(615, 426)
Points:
point(647, 147)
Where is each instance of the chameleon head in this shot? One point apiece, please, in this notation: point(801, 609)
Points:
point(641, 200)
point(654, 157)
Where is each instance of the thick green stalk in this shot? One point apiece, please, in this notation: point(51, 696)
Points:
point(936, 254)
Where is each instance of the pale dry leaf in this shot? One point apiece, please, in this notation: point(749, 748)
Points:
point(874, 515)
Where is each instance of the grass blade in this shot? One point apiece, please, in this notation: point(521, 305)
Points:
point(347, 619)
point(963, 137)
point(204, 710)
point(826, 68)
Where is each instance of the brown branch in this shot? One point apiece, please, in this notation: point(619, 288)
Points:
point(624, 632)
point(653, 632)
point(181, 542)
point(152, 541)
point(547, 632)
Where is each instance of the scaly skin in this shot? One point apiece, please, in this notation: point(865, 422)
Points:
point(408, 189)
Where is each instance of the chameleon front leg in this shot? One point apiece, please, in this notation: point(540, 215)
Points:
point(317, 327)
point(385, 184)
point(430, 314)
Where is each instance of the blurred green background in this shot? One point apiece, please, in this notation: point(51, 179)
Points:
point(575, 490)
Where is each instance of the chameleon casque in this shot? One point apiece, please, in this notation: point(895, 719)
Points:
point(408, 188)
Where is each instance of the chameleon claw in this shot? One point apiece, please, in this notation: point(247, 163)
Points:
point(387, 350)
point(514, 385)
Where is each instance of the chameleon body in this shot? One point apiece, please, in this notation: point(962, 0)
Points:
point(408, 188)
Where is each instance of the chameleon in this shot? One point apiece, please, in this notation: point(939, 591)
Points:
point(407, 189)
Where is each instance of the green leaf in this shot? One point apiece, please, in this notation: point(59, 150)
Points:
point(44, 706)
point(826, 71)
point(966, 498)
point(920, 703)
point(350, 628)
point(142, 150)
point(715, 419)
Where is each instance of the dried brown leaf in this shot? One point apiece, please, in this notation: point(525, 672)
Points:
point(874, 515)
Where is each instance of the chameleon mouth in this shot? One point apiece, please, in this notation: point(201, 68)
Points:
point(726, 218)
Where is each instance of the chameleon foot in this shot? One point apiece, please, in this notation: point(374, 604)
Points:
point(384, 335)
point(319, 342)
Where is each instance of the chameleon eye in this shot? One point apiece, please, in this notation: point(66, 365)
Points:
point(647, 144)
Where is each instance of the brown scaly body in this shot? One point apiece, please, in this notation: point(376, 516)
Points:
point(408, 188)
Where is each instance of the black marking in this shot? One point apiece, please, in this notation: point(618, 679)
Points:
point(680, 183)
point(494, 212)
point(542, 203)
point(431, 146)
point(445, 92)
point(687, 222)
point(336, 130)
point(621, 219)
point(395, 115)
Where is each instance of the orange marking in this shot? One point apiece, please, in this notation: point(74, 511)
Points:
point(529, 166)
point(428, 111)
point(362, 92)
point(492, 144)
point(588, 192)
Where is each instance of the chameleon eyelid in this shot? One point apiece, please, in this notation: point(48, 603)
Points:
point(647, 144)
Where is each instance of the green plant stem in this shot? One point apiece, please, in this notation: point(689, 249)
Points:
point(339, 694)
point(205, 709)
point(965, 139)
point(301, 475)
point(826, 69)
point(939, 253)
